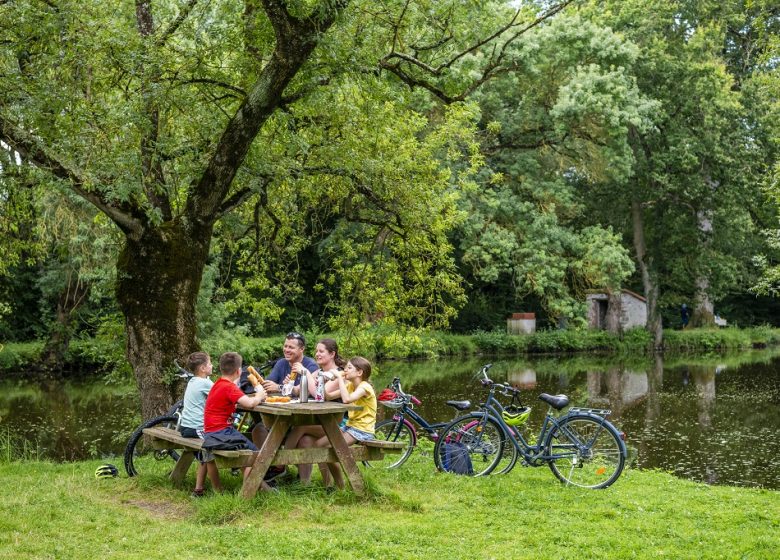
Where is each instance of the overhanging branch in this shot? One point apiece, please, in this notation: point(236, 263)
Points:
point(31, 150)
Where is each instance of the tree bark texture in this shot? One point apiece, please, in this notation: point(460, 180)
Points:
point(158, 281)
point(703, 310)
point(654, 325)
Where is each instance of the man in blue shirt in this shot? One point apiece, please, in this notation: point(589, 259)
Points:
point(294, 346)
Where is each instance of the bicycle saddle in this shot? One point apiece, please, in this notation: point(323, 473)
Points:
point(555, 401)
point(460, 405)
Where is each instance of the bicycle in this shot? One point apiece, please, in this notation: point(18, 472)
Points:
point(400, 428)
point(581, 447)
point(137, 445)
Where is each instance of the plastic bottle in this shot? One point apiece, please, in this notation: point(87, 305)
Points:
point(288, 387)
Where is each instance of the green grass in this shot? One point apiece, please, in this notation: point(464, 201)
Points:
point(61, 511)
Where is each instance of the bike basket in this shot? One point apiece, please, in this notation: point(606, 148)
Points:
point(516, 415)
point(397, 402)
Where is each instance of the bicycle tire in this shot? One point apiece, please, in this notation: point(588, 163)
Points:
point(395, 430)
point(483, 437)
point(135, 446)
point(510, 455)
point(586, 451)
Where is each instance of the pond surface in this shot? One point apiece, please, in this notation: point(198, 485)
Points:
point(714, 419)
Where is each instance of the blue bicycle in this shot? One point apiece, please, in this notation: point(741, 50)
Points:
point(581, 447)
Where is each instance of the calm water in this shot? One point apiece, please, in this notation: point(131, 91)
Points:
point(716, 420)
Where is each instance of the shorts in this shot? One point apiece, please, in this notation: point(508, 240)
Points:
point(359, 435)
point(203, 456)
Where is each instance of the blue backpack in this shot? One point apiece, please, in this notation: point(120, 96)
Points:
point(456, 459)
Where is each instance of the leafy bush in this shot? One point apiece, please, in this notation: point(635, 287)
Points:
point(16, 356)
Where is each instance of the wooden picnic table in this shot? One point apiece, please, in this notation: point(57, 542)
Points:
point(279, 418)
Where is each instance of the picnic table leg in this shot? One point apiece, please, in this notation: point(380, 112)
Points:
point(182, 466)
point(265, 456)
point(330, 423)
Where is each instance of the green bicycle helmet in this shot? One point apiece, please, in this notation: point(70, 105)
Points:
point(516, 415)
point(106, 471)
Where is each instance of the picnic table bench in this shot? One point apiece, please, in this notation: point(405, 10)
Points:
point(271, 454)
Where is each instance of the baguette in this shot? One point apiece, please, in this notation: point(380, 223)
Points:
point(254, 378)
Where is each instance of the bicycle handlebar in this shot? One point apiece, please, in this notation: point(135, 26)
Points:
point(504, 388)
point(396, 385)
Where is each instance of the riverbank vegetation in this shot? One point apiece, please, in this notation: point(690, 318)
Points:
point(414, 512)
point(105, 355)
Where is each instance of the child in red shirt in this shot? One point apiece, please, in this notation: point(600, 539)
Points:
point(221, 404)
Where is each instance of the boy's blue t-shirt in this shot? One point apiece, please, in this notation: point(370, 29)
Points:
point(195, 401)
point(282, 369)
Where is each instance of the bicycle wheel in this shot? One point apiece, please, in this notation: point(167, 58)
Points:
point(585, 451)
point(395, 430)
point(470, 445)
point(137, 445)
point(508, 459)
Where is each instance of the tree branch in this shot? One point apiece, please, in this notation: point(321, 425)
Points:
point(185, 11)
point(393, 60)
point(153, 175)
point(295, 40)
point(30, 149)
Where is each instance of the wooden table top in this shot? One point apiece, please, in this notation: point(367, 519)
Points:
point(311, 407)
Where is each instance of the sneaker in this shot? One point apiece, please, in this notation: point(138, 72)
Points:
point(274, 473)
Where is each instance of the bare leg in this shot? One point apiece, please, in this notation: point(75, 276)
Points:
point(259, 433)
point(335, 468)
point(213, 472)
point(303, 437)
point(200, 476)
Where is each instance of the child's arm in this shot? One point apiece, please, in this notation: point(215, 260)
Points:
point(346, 396)
point(250, 402)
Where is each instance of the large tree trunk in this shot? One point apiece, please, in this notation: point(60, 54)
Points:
point(654, 324)
point(158, 283)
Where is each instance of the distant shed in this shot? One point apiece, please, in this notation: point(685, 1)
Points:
point(610, 312)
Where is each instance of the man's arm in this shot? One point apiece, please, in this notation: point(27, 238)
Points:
point(272, 383)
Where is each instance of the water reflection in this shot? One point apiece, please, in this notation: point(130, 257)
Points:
point(714, 420)
point(693, 419)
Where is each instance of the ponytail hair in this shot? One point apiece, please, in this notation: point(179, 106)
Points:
point(363, 365)
point(332, 346)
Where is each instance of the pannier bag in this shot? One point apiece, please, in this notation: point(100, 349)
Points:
point(456, 458)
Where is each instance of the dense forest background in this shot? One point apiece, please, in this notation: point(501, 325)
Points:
point(178, 169)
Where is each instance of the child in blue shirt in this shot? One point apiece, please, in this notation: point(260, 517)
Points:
point(191, 424)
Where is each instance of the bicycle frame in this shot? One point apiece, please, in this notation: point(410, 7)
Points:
point(533, 454)
point(407, 409)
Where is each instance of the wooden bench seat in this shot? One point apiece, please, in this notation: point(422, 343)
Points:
point(167, 438)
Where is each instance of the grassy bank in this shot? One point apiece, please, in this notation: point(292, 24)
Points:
point(107, 354)
point(63, 512)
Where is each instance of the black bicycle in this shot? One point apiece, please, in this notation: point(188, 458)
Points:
point(400, 428)
point(138, 446)
point(581, 447)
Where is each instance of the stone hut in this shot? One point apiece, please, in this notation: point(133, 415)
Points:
point(616, 312)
